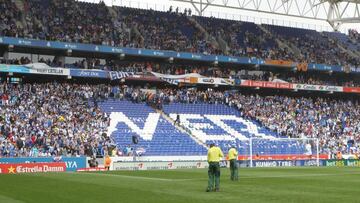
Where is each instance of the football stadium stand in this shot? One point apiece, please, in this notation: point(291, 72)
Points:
point(81, 79)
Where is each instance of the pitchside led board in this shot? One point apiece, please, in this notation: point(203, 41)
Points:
point(72, 163)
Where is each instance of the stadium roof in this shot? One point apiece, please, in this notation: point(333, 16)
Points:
point(335, 12)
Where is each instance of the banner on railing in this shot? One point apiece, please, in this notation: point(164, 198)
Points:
point(88, 73)
point(266, 84)
point(42, 68)
point(177, 79)
point(326, 88)
point(13, 68)
point(352, 89)
point(193, 78)
point(216, 81)
point(117, 75)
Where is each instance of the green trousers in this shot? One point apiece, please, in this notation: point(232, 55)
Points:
point(214, 176)
point(234, 170)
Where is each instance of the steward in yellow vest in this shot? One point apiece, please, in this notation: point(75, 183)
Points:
point(233, 157)
point(213, 158)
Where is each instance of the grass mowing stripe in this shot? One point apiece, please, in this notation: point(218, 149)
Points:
point(296, 175)
point(270, 185)
point(240, 176)
point(7, 199)
point(132, 177)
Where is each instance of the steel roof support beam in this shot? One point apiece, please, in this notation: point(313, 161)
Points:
point(335, 12)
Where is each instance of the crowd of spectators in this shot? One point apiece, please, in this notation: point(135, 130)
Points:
point(51, 119)
point(9, 19)
point(310, 78)
point(24, 60)
point(336, 123)
point(314, 47)
point(354, 35)
point(69, 21)
point(63, 119)
point(245, 39)
point(16, 61)
point(74, 21)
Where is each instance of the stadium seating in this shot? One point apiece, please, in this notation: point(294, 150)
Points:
point(344, 39)
point(315, 47)
point(156, 135)
point(237, 35)
point(221, 124)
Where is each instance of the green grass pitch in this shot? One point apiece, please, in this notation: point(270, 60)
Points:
point(255, 185)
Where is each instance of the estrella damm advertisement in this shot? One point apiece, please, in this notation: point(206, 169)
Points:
point(32, 168)
point(72, 163)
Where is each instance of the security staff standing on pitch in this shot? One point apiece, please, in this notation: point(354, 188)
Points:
point(214, 156)
point(233, 156)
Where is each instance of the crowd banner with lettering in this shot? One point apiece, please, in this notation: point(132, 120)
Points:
point(88, 73)
point(32, 168)
point(117, 75)
point(177, 79)
point(72, 163)
point(91, 48)
point(193, 78)
point(266, 84)
point(216, 81)
point(326, 88)
point(42, 68)
point(159, 165)
point(280, 63)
